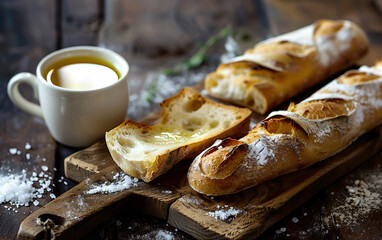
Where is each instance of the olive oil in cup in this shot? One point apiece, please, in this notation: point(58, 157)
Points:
point(82, 93)
point(82, 73)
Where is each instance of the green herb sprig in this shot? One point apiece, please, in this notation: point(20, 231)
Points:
point(200, 56)
point(151, 92)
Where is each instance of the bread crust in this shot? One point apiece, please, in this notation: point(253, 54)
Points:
point(286, 141)
point(279, 68)
point(125, 138)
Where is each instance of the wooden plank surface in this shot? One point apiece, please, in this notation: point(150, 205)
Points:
point(257, 208)
point(27, 33)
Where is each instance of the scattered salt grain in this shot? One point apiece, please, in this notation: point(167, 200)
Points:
point(16, 189)
point(19, 190)
point(44, 159)
point(283, 229)
point(305, 214)
point(155, 234)
point(44, 168)
point(18, 152)
point(163, 235)
point(13, 151)
point(52, 196)
point(295, 220)
point(28, 156)
point(28, 146)
point(123, 182)
point(167, 191)
point(118, 223)
point(224, 214)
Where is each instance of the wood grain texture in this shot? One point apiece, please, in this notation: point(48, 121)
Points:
point(27, 33)
point(259, 207)
point(76, 212)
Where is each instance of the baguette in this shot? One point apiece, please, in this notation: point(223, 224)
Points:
point(286, 141)
point(281, 67)
point(189, 123)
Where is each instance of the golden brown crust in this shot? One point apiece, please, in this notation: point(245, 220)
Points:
point(320, 109)
point(286, 141)
point(277, 69)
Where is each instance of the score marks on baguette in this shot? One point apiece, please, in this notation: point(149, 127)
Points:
point(286, 141)
point(281, 67)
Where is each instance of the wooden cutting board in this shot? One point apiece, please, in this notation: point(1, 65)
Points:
point(169, 197)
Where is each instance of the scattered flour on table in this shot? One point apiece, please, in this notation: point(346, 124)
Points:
point(363, 196)
point(122, 182)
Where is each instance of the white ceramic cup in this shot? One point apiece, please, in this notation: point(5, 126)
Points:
point(75, 118)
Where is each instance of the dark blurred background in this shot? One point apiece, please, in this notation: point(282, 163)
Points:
point(154, 35)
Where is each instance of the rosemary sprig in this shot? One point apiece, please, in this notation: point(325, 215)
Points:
point(151, 92)
point(200, 56)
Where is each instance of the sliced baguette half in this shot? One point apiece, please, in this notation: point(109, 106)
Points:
point(189, 124)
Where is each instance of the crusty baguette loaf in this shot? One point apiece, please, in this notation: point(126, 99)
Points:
point(286, 141)
point(281, 67)
point(189, 123)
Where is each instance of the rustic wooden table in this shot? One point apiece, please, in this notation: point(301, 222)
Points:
point(153, 35)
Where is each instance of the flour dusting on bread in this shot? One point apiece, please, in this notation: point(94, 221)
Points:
point(261, 150)
point(309, 132)
point(330, 50)
point(279, 68)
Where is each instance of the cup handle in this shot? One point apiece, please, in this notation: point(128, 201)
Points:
point(16, 97)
